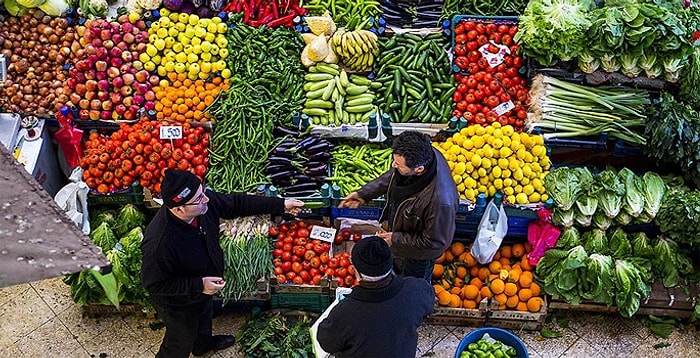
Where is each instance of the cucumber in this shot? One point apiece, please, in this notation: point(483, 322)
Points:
point(360, 81)
point(313, 86)
point(359, 102)
point(355, 90)
point(316, 94)
point(314, 112)
point(326, 95)
point(318, 103)
point(327, 68)
point(359, 109)
point(314, 77)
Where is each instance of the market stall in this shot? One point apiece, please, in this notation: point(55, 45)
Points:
point(582, 141)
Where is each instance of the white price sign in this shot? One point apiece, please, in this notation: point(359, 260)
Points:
point(170, 132)
point(322, 233)
point(504, 108)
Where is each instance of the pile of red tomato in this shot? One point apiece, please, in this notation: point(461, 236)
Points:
point(480, 87)
point(135, 152)
point(301, 260)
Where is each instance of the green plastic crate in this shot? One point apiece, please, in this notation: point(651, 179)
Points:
point(312, 302)
point(133, 195)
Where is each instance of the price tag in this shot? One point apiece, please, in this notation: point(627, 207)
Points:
point(322, 233)
point(504, 108)
point(494, 58)
point(170, 132)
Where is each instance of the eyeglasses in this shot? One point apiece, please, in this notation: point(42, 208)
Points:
point(198, 201)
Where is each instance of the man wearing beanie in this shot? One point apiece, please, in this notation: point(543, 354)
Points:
point(421, 204)
point(380, 317)
point(183, 263)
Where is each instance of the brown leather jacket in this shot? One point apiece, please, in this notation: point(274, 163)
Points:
point(424, 224)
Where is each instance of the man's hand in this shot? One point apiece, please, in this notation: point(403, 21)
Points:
point(352, 201)
point(212, 285)
point(293, 206)
point(386, 236)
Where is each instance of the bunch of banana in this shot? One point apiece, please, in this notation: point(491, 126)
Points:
point(333, 97)
point(356, 49)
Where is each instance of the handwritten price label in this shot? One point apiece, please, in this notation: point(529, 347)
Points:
point(504, 108)
point(170, 132)
point(322, 233)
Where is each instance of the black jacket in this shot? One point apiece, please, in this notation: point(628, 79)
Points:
point(424, 225)
point(176, 255)
point(380, 322)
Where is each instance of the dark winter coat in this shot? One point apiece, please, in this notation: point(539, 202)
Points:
point(176, 255)
point(424, 224)
point(378, 322)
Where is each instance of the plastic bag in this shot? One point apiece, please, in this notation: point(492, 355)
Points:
point(72, 198)
point(542, 235)
point(70, 141)
point(490, 233)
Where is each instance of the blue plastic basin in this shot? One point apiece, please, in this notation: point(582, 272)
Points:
point(502, 335)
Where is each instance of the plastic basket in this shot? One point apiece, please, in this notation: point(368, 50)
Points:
point(372, 210)
point(316, 206)
point(133, 195)
point(498, 20)
point(301, 301)
point(502, 335)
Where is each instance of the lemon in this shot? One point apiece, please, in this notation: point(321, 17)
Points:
point(205, 66)
point(490, 129)
point(536, 168)
point(488, 151)
point(528, 189)
point(216, 20)
point(173, 17)
point(518, 174)
point(518, 189)
point(180, 67)
point(189, 32)
point(505, 173)
point(508, 190)
point(164, 20)
point(195, 41)
point(504, 152)
point(181, 57)
point(469, 166)
point(210, 37)
point(482, 189)
point(221, 27)
point(161, 71)
point(534, 198)
point(169, 66)
point(476, 160)
point(470, 183)
point(452, 157)
point(481, 172)
point(507, 182)
point(200, 31)
point(194, 68)
point(497, 143)
point(510, 199)
point(527, 171)
point(446, 145)
point(143, 57)
point(178, 47)
point(459, 169)
point(486, 163)
point(544, 197)
point(193, 19)
point(203, 75)
point(183, 17)
point(521, 198)
point(451, 165)
point(491, 191)
point(475, 174)
point(226, 73)
point(205, 56)
point(461, 158)
point(457, 178)
point(498, 183)
point(480, 130)
point(173, 32)
point(496, 172)
point(460, 187)
point(149, 66)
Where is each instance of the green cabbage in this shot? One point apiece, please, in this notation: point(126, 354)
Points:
point(619, 245)
point(600, 279)
point(611, 192)
point(569, 238)
point(600, 220)
point(563, 218)
point(129, 217)
point(669, 263)
point(654, 189)
point(632, 286)
point(586, 206)
point(594, 241)
point(107, 216)
point(564, 186)
point(634, 192)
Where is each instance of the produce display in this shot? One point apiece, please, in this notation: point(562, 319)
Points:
point(340, 268)
point(414, 72)
point(297, 259)
point(354, 167)
point(36, 47)
point(483, 8)
point(333, 97)
point(490, 88)
point(298, 167)
point(485, 348)
point(247, 256)
point(427, 13)
point(497, 159)
point(605, 199)
point(118, 234)
point(185, 100)
point(318, 45)
point(108, 80)
point(134, 153)
point(460, 281)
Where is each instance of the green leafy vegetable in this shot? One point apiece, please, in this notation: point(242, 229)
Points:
point(569, 238)
point(641, 245)
point(548, 333)
point(129, 217)
point(611, 192)
point(103, 237)
point(668, 263)
point(632, 286)
point(634, 192)
point(595, 241)
point(271, 335)
point(564, 186)
point(599, 279)
point(679, 216)
point(619, 245)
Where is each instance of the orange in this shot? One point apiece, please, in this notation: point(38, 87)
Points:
point(449, 257)
point(528, 247)
point(504, 262)
point(497, 256)
point(525, 264)
point(469, 260)
point(518, 250)
point(485, 292)
point(461, 272)
point(458, 282)
point(535, 288)
point(483, 273)
point(444, 298)
point(525, 294)
point(474, 271)
point(534, 304)
point(469, 304)
point(501, 298)
point(525, 279)
point(501, 307)
point(511, 289)
point(438, 271)
point(440, 259)
point(457, 248)
point(514, 275)
point(495, 267)
point(512, 302)
point(470, 292)
point(455, 301)
point(455, 290)
point(506, 252)
point(446, 284)
point(522, 306)
point(497, 286)
point(476, 282)
point(438, 289)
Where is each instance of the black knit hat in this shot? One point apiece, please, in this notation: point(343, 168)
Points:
point(178, 187)
point(371, 256)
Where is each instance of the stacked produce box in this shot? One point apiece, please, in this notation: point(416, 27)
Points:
point(231, 90)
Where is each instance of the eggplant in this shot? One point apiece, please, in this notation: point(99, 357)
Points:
point(272, 169)
point(316, 171)
point(319, 157)
point(282, 175)
point(313, 164)
point(300, 193)
point(279, 160)
point(306, 143)
point(324, 146)
point(280, 131)
point(307, 185)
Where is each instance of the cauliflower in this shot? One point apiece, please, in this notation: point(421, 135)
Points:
point(149, 4)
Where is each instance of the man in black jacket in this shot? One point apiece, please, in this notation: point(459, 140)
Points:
point(380, 317)
point(421, 204)
point(183, 263)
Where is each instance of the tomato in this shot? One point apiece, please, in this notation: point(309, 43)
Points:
point(481, 28)
point(309, 254)
point(316, 279)
point(324, 258)
point(333, 262)
point(472, 46)
point(513, 30)
point(456, 96)
point(521, 114)
point(459, 29)
point(460, 49)
point(482, 40)
point(281, 278)
point(277, 253)
point(127, 165)
point(506, 39)
point(472, 108)
point(279, 244)
point(349, 280)
point(462, 88)
point(461, 62)
point(296, 267)
point(302, 232)
point(492, 48)
point(473, 56)
point(287, 246)
point(472, 82)
point(319, 248)
point(315, 262)
point(469, 25)
point(462, 105)
point(341, 272)
point(200, 170)
point(305, 275)
point(277, 271)
point(291, 275)
point(183, 164)
point(286, 256)
point(469, 98)
point(517, 62)
point(151, 167)
point(344, 262)
point(471, 35)
point(461, 38)
point(299, 250)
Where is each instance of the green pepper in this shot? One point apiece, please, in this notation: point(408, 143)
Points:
point(472, 346)
point(512, 352)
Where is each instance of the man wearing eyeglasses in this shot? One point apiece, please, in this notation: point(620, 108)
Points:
point(421, 204)
point(183, 263)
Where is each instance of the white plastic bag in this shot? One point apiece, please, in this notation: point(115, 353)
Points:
point(72, 198)
point(490, 233)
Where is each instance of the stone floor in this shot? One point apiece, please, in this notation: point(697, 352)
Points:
point(40, 320)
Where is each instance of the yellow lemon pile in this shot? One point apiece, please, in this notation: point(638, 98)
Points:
point(497, 159)
point(184, 43)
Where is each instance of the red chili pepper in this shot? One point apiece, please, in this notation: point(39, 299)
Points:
point(284, 20)
point(246, 13)
point(274, 8)
point(266, 20)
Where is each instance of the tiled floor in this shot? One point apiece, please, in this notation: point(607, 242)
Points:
point(40, 320)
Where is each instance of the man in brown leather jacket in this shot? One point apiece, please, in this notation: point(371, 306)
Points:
point(421, 204)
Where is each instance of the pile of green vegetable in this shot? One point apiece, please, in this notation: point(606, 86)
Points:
point(355, 166)
point(605, 199)
point(635, 36)
point(679, 216)
point(350, 13)
point(272, 335)
point(488, 348)
point(415, 74)
point(123, 284)
point(451, 8)
point(673, 130)
point(689, 91)
point(247, 255)
point(266, 89)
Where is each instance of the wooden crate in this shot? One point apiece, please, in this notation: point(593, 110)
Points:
point(445, 316)
point(516, 320)
point(666, 302)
